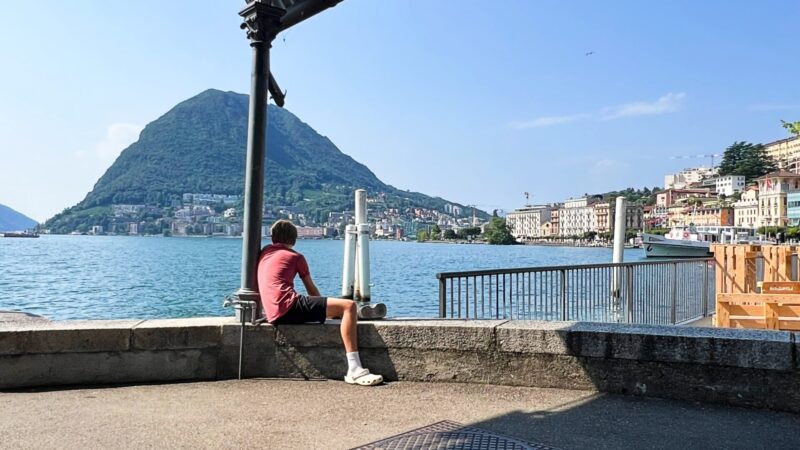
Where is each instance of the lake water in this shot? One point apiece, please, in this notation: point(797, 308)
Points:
point(115, 277)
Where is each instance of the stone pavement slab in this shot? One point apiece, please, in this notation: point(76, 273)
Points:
point(264, 413)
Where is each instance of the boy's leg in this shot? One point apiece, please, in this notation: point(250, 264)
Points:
point(346, 309)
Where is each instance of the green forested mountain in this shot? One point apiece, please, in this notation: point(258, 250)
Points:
point(11, 220)
point(199, 147)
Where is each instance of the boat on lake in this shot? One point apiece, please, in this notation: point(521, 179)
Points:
point(23, 234)
point(694, 242)
point(680, 242)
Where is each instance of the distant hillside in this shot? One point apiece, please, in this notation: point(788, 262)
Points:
point(11, 220)
point(199, 147)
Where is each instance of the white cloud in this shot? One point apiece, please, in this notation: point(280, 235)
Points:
point(118, 136)
point(548, 121)
point(668, 103)
point(665, 104)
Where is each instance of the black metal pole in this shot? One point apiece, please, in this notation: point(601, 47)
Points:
point(262, 23)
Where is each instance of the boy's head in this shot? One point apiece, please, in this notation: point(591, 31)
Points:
point(284, 232)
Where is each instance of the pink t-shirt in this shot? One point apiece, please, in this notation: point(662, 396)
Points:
point(277, 267)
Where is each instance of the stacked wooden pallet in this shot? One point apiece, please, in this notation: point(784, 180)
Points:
point(743, 301)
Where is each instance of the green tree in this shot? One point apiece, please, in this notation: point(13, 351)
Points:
point(422, 236)
point(497, 233)
point(792, 127)
point(449, 234)
point(744, 158)
point(436, 232)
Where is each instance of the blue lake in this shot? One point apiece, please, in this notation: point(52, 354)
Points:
point(115, 277)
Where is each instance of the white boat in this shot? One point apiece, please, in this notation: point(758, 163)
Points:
point(680, 242)
point(693, 242)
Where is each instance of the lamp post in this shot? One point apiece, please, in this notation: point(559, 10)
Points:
point(262, 23)
point(263, 20)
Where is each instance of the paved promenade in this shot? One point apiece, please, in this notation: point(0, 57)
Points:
point(332, 415)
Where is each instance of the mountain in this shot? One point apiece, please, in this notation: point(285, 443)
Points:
point(11, 220)
point(199, 147)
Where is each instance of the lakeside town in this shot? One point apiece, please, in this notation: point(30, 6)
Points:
point(697, 195)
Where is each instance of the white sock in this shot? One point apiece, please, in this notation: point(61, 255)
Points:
point(353, 363)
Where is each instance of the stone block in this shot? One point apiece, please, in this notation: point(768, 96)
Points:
point(64, 340)
point(478, 335)
point(61, 369)
point(177, 334)
point(737, 348)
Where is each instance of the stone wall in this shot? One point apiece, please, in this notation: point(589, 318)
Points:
point(737, 367)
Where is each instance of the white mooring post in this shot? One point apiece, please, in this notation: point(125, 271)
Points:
point(349, 265)
point(356, 269)
point(619, 251)
point(362, 257)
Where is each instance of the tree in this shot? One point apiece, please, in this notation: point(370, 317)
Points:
point(497, 233)
point(744, 158)
point(449, 234)
point(436, 232)
point(792, 127)
point(422, 236)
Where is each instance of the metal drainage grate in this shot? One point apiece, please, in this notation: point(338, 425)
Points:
point(451, 435)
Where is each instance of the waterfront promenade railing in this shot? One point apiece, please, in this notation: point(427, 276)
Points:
point(659, 292)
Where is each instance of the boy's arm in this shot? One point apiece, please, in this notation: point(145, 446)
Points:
point(310, 287)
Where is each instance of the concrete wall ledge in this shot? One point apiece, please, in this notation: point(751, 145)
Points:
point(738, 367)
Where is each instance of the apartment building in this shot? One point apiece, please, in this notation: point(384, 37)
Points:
point(773, 191)
point(745, 211)
point(577, 216)
point(527, 223)
point(729, 184)
point(786, 153)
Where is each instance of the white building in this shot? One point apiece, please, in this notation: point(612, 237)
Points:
point(730, 184)
point(577, 217)
point(745, 211)
point(526, 223)
point(687, 177)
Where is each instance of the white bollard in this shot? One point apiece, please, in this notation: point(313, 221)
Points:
point(349, 266)
point(619, 251)
point(362, 251)
point(361, 206)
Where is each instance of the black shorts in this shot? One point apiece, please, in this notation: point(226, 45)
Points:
point(305, 310)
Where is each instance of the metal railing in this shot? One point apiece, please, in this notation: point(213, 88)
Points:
point(659, 292)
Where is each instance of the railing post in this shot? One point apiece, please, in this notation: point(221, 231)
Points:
point(629, 287)
point(674, 312)
point(442, 297)
point(563, 294)
point(705, 288)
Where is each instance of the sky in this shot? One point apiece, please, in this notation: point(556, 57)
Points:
point(453, 98)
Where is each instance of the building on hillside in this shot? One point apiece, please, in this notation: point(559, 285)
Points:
point(555, 220)
point(669, 197)
point(786, 152)
point(745, 211)
point(314, 232)
point(605, 213)
point(773, 189)
point(793, 209)
point(706, 215)
point(577, 217)
point(526, 223)
point(688, 177)
point(729, 184)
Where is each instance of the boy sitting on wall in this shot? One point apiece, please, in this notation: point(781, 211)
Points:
point(277, 266)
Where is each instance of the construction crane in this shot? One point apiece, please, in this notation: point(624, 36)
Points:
point(708, 155)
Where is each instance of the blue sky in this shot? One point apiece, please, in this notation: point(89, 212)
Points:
point(449, 98)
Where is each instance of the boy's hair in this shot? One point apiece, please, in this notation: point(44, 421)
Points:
point(284, 232)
